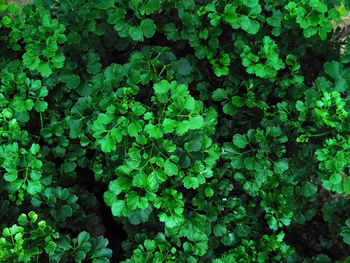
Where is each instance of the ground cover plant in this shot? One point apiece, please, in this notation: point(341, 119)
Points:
point(174, 131)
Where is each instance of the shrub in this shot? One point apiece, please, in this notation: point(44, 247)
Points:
point(194, 131)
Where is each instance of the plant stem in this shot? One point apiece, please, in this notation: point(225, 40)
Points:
point(41, 120)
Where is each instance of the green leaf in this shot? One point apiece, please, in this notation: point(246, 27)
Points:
point(341, 85)
point(153, 131)
point(35, 148)
point(184, 67)
point(132, 200)
point(72, 81)
point(30, 61)
point(106, 4)
point(13, 8)
point(300, 106)
point(34, 187)
point(11, 175)
point(50, 247)
point(6, 232)
point(183, 127)
point(140, 180)
point(219, 230)
point(58, 61)
point(80, 256)
point(170, 168)
point(190, 103)
point(169, 125)
point(115, 187)
point(40, 106)
point(152, 182)
point(133, 129)
point(245, 22)
point(73, 38)
point(22, 219)
point(209, 192)
point(171, 221)
point(333, 69)
point(45, 70)
point(68, 166)
point(335, 178)
point(46, 21)
point(83, 237)
point(190, 182)
point(136, 33)
point(162, 87)
point(346, 185)
point(281, 166)
point(272, 221)
point(249, 163)
point(117, 207)
point(250, 3)
point(237, 101)
point(345, 232)
point(276, 19)
point(170, 31)
point(6, 20)
point(32, 216)
point(169, 146)
point(308, 189)
point(219, 95)
point(242, 230)
point(148, 27)
point(229, 239)
point(117, 134)
point(94, 68)
point(66, 211)
point(260, 70)
point(196, 122)
point(195, 145)
point(108, 143)
point(240, 141)
point(101, 250)
point(249, 25)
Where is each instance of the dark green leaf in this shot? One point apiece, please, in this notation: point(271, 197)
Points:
point(148, 28)
point(219, 95)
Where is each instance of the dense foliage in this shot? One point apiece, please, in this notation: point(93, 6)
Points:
point(174, 131)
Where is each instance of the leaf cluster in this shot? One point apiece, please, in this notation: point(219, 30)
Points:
point(212, 131)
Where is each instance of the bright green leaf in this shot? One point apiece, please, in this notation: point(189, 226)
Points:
point(346, 185)
point(45, 70)
point(117, 207)
point(170, 168)
point(240, 141)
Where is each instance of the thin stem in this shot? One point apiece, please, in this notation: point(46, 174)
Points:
point(41, 120)
point(252, 150)
point(26, 175)
point(319, 134)
point(160, 151)
point(164, 67)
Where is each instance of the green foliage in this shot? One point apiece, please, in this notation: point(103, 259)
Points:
point(27, 240)
point(212, 131)
point(82, 248)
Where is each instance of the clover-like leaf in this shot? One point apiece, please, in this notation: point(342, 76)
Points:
point(148, 27)
point(240, 141)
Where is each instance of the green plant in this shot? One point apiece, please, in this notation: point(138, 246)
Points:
point(193, 131)
point(82, 248)
point(26, 241)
